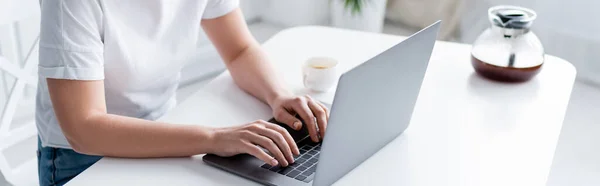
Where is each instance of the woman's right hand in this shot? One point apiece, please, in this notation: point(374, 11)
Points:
point(246, 139)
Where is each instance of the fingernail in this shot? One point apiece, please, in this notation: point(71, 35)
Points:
point(274, 162)
point(297, 125)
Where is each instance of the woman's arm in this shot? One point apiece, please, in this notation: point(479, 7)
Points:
point(81, 112)
point(251, 70)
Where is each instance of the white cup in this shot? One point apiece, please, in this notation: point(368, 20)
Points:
point(319, 74)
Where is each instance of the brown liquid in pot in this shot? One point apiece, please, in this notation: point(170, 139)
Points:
point(506, 74)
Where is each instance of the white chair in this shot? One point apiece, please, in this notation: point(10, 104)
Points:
point(18, 135)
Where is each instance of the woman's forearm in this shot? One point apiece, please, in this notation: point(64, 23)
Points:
point(120, 136)
point(253, 73)
point(80, 109)
point(247, 62)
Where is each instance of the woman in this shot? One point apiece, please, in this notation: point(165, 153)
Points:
point(109, 68)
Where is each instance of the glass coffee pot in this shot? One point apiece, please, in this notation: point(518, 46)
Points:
point(508, 51)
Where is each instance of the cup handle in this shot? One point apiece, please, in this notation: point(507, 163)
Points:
point(305, 77)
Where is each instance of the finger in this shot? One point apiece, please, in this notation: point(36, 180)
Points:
point(320, 114)
point(325, 109)
point(286, 117)
point(287, 137)
point(279, 141)
point(268, 144)
point(306, 114)
point(260, 154)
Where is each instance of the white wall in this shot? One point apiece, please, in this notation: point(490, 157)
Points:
point(28, 31)
point(252, 9)
point(296, 12)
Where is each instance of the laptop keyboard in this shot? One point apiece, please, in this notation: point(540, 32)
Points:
point(304, 166)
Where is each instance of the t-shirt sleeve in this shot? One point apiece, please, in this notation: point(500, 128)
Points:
point(71, 45)
point(218, 8)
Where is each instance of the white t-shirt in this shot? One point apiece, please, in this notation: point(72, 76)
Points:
point(137, 47)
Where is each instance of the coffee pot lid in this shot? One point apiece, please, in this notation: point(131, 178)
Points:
point(513, 17)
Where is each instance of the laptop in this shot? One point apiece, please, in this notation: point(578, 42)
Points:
point(372, 106)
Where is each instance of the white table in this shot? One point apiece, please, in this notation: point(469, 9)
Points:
point(465, 130)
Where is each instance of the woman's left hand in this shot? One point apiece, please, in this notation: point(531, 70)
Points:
point(314, 114)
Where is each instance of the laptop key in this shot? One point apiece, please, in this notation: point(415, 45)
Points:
point(312, 152)
point(309, 178)
point(310, 165)
point(301, 177)
point(302, 151)
point(312, 160)
point(285, 170)
point(307, 173)
point(276, 168)
point(302, 168)
point(301, 160)
point(293, 173)
point(266, 166)
point(312, 169)
point(295, 164)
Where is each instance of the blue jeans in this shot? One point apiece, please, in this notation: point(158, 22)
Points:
point(57, 166)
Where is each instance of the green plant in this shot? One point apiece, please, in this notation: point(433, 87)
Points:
point(354, 5)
